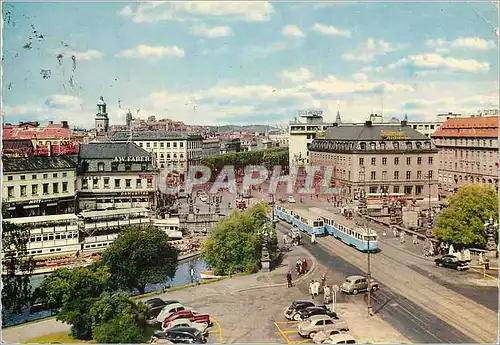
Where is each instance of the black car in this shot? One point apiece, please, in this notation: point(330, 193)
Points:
point(451, 261)
point(180, 335)
point(155, 306)
point(306, 313)
point(295, 306)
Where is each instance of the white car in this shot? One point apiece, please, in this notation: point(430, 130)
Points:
point(317, 323)
point(291, 199)
point(169, 310)
point(320, 337)
point(342, 338)
point(202, 327)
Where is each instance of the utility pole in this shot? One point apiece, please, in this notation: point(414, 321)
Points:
point(368, 273)
point(429, 218)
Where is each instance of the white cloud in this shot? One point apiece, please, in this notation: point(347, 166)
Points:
point(334, 86)
point(436, 61)
point(84, 55)
point(371, 48)
point(257, 11)
point(144, 51)
point(292, 30)
point(211, 32)
point(441, 45)
point(297, 76)
point(330, 30)
point(260, 52)
point(64, 100)
point(360, 77)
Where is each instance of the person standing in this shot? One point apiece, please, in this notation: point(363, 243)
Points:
point(311, 289)
point(323, 280)
point(289, 279)
point(313, 239)
point(304, 266)
point(316, 288)
point(299, 266)
point(326, 294)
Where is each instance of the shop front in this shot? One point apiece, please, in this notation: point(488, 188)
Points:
point(41, 207)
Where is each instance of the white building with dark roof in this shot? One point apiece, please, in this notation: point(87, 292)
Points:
point(115, 175)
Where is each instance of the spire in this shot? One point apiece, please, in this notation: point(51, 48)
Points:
point(338, 120)
point(406, 117)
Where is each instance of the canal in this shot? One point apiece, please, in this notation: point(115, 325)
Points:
point(182, 277)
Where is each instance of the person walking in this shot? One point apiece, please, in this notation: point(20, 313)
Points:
point(299, 266)
point(289, 279)
point(311, 289)
point(323, 280)
point(304, 266)
point(313, 239)
point(326, 294)
point(317, 285)
point(402, 237)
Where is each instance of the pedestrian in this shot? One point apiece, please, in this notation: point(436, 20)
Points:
point(299, 266)
point(289, 279)
point(414, 239)
point(304, 266)
point(394, 231)
point(402, 237)
point(326, 294)
point(316, 288)
point(311, 289)
point(313, 239)
point(323, 280)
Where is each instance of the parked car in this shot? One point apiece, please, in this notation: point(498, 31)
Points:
point(296, 306)
point(317, 323)
point(169, 310)
point(155, 306)
point(190, 315)
point(179, 335)
point(291, 199)
point(306, 313)
point(320, 337)
point(202, 327)
point(342, 338)
point(451, 261)
point(355, 284)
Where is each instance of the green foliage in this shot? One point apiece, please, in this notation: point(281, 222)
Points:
point(234, 243)
point(270, 157)
point(117, 319)
point(139, 257)
point(462, 222)
point(17, 265)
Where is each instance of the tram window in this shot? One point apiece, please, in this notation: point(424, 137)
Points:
point(51, 237)
point(39, 251)
point(58, 249)
point(52, 250)
point(93, 246)
point(58, 237)
point(45, 238)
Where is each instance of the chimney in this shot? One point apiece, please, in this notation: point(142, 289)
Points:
point(368, 123)
point(404, 123)
point(64, 124)
point(51, 122)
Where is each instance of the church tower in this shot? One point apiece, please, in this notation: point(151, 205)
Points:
point(338, 120)
point(101, 118)
point(128, 119)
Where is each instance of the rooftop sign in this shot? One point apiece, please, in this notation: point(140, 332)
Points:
point(488, 112)
point(390, 135)
point(133, 159)
point(313, 112)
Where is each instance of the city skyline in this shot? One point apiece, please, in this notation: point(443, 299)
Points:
point(265, 60)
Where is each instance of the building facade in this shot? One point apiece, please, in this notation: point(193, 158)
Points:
point(38, 186)
point(115, 175)
point(172, 150)
point(230, 146)
point(279, 139)
point(210, 147)
point(379, 158)
point(468, 151)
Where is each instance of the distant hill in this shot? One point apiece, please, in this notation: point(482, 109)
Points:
point(244, 128)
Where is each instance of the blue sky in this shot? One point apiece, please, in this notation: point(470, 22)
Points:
point(247, 62)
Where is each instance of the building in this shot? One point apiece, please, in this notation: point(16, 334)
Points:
point(17, 148)
point(37, 186)
point(380, 158)
point(101, 118)
point(230, 146)
point(172, 150)
point(468, 151)
point(210, 147)
point(115, 175)
point(301, 133)
point(279, 139)
point(427, 128)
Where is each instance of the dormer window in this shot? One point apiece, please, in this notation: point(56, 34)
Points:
point(114, 166)
point(362, 146)
point(418, 144)
point(382, 146)
point(409, 146)
point(396, 146)
point(100, 166)
point(428, 145)
point(373, 146)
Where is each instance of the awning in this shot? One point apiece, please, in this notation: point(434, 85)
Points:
point(31, 206)
point(52, 204)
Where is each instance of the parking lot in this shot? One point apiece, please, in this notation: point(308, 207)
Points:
point(288, 331)
point(215, 333)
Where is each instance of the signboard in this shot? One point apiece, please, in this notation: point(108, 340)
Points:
point(488, 112)
point(145, 176)
point(392, 135)
point(311, 112)
point(133, 159)
point(320, 134)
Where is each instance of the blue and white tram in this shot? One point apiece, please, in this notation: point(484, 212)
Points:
point(348, 231)
point(284, 214)
point(308, 222)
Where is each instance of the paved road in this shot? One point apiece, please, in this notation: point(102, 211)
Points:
point(424, 310)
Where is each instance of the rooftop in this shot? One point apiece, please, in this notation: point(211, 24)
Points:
point(31, 130)
point(110, 150)
point(371, 132)
point(478, 126)
point(153, 135)
point(37, 163)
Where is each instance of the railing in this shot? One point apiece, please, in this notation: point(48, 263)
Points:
point(116, 223)
point(400, 228)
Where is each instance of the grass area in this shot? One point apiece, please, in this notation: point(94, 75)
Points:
point(57, 338)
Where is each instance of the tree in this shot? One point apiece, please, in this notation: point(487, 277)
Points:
point(117, 319)
point(139, 257)
point(152, 118)
point(462, 222)
point(16, 267)
point(275, 156)
point(234, 243)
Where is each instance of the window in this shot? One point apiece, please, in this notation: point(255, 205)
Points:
point(10, 191)
point(150, 182)
point(396, 160)
point(45, 176)
point(396, 146)
point(46, 187)
point(408, 189)
point(162, 155)
point(54, 175)
point(396, 175)
point(144, 166)
point(373, 189)
point(408, 175)
point(64, 174)
point(175, 144)
point(419, 160)
point(65, 187)
point(23, 190)
point(181, 156)
point(106, 182)
point(395, 189)
point(138, 183)
point(431, 160)
point(361, 161)
point(430, 174)
point(55, 187)
point(168, 155)
point(140, 144)
point(127, 183)
point(373, 161)
point(168, 145)
point(147, 144)
point(372, 175)
point(181, 145)
point(362, 146)
point(128, 166)
point(384, 160)
point(34, 189)
point(408, 160)
point(418, 190)
point(384, 175)
point(419, 174)
point(23, 177)
point(9, 178)
point(85, 183)
point(162, 144)
point(95, 183)
point(100, 166)
point(117, 183)
point(175, 155)
point(154, 144)
point(114, 166)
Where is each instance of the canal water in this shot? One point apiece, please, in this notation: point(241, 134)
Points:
point(182, 277)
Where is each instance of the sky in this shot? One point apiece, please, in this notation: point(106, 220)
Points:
point(249, 62)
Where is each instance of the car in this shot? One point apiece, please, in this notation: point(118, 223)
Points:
point(291, 199)
point(317, 323)
point(355, 284)
point(341, 338)
point(155, 306)
point(320, 337)
point(169, 310)
point(451, 261)
point(202, 327)
point(179, 335)
point(296, 306)
point(306, 313)
point(190, 315)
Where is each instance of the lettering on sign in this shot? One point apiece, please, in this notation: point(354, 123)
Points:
point(133, 159)
point(310, 112)
point(145, 176)
point(488, 112)
point(391, 135)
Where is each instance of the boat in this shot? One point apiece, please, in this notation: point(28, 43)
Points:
point(208, 275)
